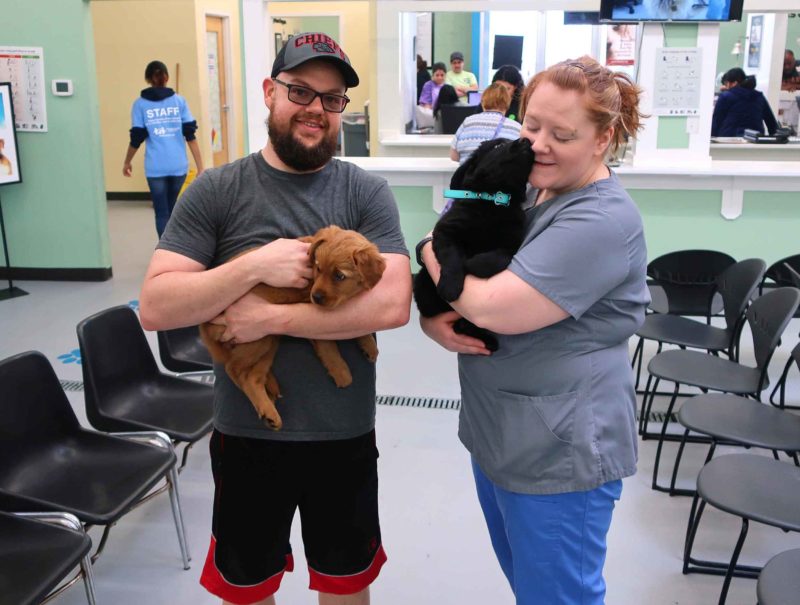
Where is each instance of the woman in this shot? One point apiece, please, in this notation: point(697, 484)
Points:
point(509, 76)
point(740, 106)
point(162, 117)
point(422, 75)
point(491, 123)
point(430, 91)
point(549, 418)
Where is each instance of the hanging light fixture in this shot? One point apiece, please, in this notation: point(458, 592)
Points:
point(737, 48)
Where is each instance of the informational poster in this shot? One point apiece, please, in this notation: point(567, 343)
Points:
point(754, 41)
point(677, 82)
point(9, 158)
point(620, 44)
point(23, 67)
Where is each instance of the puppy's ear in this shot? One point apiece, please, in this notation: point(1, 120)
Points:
point(370, 265)
point(312, 250)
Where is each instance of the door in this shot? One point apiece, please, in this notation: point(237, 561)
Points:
point(217, 93)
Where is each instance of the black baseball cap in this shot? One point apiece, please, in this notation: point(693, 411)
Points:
point(314, 45)
point(456, 56)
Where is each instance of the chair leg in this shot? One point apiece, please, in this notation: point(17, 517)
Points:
point(672, 489)
point(174, 499)
point(661, 440)
point(780, 386)
point(88, 579)
point(638, 354)
point(734, 559)
point(643, 413)
point(691, 530)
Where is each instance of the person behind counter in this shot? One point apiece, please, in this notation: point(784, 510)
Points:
point(790, 79)
point(740, 106)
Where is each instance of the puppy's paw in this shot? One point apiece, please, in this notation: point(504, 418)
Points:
point(342, 377)
point(270, 417)
point(369, 347)
point(450, 289)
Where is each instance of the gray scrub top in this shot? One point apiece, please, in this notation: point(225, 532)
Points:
point(552, 411)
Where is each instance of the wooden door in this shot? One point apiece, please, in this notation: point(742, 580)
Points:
point(217, 93)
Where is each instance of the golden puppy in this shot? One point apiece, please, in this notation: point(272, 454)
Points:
point(344, 263)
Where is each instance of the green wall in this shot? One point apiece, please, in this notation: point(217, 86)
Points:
point(56, 218)
point(452, 32)
point(793, 33)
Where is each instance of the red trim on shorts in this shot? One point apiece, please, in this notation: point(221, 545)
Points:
point(351, 584)
point(211, 579)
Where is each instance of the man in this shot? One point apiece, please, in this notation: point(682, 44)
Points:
point(323, 461)
point(791, 79)
point(460, 79)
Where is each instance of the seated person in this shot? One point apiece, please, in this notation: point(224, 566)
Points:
point(740, 106)
point(447, 96)
point(459, 78)
point(491, 123)
point(511, 79)
point(430, 91)
point(422, 75)
point(790, 79)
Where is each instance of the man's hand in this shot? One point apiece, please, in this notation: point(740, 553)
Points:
point(246, 320)
point(440, 329)
point(282, 263)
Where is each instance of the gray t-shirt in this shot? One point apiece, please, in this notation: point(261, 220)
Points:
point(248, 203)
point(552, 410)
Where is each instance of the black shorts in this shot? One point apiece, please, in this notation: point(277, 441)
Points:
point(258, 486)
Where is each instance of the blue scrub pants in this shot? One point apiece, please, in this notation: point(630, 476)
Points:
point(164, 190)
point(551, 547)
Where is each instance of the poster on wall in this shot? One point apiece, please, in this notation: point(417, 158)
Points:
point(620, 44)
point(9, 158)
point(23, 66)
point(754, 45)
point(677, 78)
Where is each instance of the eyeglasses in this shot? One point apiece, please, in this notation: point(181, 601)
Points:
point(302, 95)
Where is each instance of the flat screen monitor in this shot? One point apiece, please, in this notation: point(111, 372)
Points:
point(581, 18)
point(474, 97)
point(670, 10)
point(507, 51)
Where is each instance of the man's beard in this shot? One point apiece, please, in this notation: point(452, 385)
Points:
point(296, 155)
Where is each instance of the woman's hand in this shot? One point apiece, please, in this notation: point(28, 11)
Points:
point(127, 169)
point(440, 329)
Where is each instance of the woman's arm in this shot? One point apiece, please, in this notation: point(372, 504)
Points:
point(198, 159)
point(127, 169)
point(503, 303)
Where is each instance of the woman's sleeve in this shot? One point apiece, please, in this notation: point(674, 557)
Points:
point(138, 131)
point(720, 109)
point(769, 117)
point(426, 98)
point(576, 260)
point(188, 123)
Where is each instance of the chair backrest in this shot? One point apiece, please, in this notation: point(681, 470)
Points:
point(115, 354)
point(182, 350)
point(453, 115)
point(35, 410)
point(768, 317)
point(780, 272)
point(736, 285)
point(688, 278)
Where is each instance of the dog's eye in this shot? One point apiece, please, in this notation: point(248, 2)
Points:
point(339, 276)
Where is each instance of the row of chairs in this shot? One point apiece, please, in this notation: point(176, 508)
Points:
point(48, 462)
point(729, 410)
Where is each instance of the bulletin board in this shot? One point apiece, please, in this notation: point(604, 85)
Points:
point(23, 67)
point(9, 158)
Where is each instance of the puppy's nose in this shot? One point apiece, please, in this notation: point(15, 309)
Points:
point(318, 298)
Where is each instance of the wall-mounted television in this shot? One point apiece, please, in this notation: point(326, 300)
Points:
point(692, 11)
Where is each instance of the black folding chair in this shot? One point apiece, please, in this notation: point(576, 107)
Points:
point(736, 285)
point(37, 552)
point(125, 390)
point(48, 462)
point(753, 488)
point(182, 351)
point(783, 272)
point(767, 317)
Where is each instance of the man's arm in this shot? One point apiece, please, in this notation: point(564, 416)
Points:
point(384, 307)
point(178, 291)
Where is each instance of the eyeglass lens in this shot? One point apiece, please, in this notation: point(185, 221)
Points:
point(305, 96)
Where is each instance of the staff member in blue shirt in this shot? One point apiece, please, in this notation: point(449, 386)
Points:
point(162, 117)
point(741, 106)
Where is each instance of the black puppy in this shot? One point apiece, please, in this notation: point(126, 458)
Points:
point(482, 231)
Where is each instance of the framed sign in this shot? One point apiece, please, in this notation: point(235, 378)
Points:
point(754, 46)
point(9, 158)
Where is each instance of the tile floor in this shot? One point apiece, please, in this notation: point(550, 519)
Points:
point(439, 552)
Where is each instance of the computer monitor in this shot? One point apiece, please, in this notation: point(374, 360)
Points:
point(474, 97)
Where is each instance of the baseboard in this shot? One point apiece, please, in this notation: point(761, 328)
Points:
point(128, 196)
point(55, 274)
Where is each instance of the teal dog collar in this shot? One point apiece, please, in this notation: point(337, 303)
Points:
point(499, 198)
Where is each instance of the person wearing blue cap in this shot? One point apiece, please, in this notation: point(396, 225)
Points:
point(323, 462)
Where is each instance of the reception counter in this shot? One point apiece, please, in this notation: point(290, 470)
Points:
point(737, 148)
point(742, 207)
